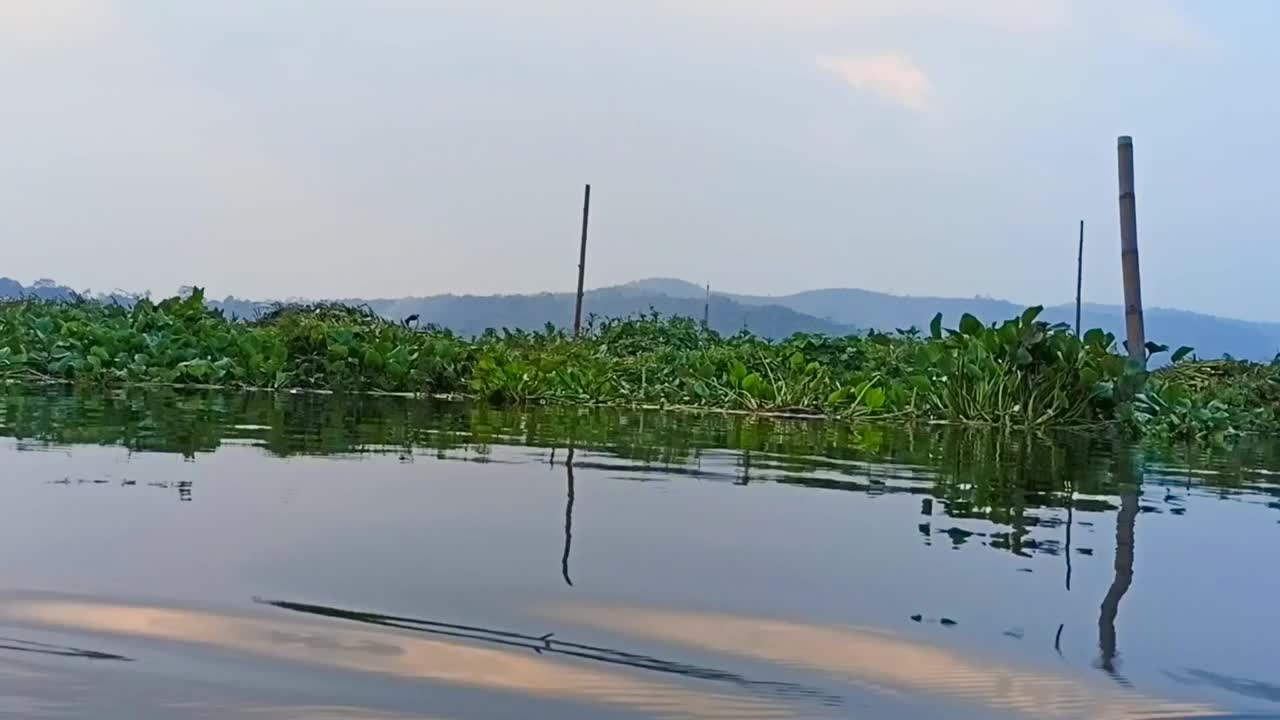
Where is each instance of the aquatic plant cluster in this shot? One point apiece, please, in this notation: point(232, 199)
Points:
point(1019, 373)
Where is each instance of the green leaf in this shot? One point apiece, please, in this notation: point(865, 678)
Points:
point(1089, 377)
point(1181, 353)
point(1030, 314)
point(1008, 334)
point(1023, 357)
point(874, 398)
point(1173, 393)
point(970, 325)
point(1154, 348)
point(935, 327)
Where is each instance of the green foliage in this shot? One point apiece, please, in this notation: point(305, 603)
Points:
point(1209, 400)
point(1019, 373)
point(179, 341)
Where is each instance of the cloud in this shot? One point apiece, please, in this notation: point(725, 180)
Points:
point(49, 24)
point(892, 76)
point(1010, 15)
point(1164, 26)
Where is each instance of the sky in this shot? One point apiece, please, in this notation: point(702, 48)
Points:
point(374, 148)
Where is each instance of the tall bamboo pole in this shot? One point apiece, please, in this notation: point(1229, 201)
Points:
point(1135, 330)
point(1079, 276)
point(582, 262)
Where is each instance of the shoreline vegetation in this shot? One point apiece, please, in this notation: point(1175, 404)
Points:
point(1019, 373)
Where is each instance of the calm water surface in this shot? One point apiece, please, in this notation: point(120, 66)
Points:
point(302, 557)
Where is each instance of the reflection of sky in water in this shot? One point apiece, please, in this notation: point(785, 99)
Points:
point(885, 661)
point(394, 655)
point(764, 580)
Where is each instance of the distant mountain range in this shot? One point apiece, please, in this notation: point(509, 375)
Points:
point(1211, 335)
point(836, 311)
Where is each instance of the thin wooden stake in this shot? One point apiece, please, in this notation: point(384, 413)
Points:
point(1079, 276)
point(1134, 326)
point(582, 262)
point(706, 309)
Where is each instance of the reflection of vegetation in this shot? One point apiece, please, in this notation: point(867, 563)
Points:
point(1022, 481)
point(1022, 372)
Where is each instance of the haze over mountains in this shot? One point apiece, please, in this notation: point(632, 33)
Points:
point(834, 311)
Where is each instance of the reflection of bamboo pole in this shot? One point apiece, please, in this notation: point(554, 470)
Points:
point(1071, 502)
point(568, 520)
point(1125, 521)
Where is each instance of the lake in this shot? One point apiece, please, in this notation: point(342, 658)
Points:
point(223, 555)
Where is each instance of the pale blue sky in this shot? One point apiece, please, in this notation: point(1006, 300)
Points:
point(275, 148)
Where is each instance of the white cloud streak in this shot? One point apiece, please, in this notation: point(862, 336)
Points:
point(891, 76)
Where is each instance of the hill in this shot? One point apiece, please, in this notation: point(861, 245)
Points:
point(1211, 335)
point(472, 315)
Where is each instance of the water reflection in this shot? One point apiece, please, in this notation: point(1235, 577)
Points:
point(443, 658)
point(328, 713)
point(10, 644)
point(568, 517)
point(1126, 518)
point(1071, 500)
point(1015, 481)
point(549, 644)
point(958, 504)
point(1240, 686)
point(884, 660)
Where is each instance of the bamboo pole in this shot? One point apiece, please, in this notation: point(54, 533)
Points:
point(1135, 331)
point(1079, 276)
point(582, 262)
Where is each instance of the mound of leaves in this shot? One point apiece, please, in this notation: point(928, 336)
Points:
point(1021, 372)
